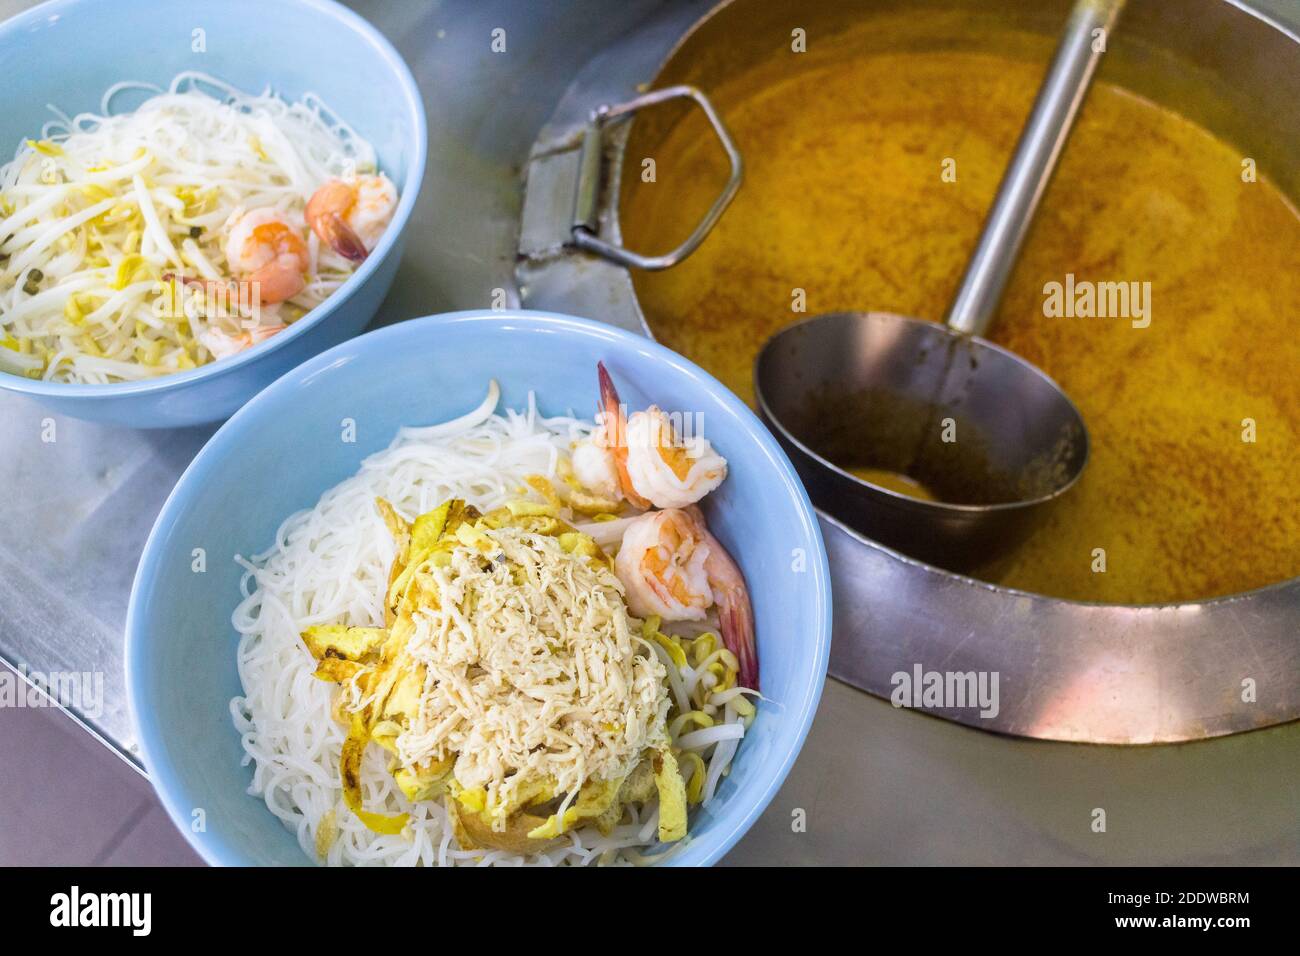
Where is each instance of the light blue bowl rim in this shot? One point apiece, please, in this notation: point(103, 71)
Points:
point(406, 204)
point(226, 441)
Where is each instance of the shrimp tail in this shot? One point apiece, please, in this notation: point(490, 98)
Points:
point(615, 426)
point(609, 404)
point(332, 229)
point(736, 621)
point(735, 611)
point(324, 213)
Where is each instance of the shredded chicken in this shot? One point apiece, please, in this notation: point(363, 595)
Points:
point(533, 671)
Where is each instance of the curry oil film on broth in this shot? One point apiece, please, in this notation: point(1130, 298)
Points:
point(1149, 287)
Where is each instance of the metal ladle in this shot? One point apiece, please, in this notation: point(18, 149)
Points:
point(982, 430)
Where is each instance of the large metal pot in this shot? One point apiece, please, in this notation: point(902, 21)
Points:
point(1067, 670)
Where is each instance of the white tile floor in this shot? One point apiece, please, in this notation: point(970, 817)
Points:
point(66, 800)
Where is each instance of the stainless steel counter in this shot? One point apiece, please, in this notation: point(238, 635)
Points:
point(875, 784)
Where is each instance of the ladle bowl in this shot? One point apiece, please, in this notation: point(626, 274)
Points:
point(992, 438)
point(986, 432)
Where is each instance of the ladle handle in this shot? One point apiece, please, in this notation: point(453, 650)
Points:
point(1032, 165)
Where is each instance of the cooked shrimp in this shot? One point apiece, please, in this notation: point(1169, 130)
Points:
point(593, 466)
point(351, 214)
point(652, 464)
point(223, 345)
point(670, 565)
point(268, 253)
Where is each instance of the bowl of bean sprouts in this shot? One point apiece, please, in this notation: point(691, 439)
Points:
point(177, 230)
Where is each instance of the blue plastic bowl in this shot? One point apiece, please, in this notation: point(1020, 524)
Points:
point(68, 52)
point(284, 449)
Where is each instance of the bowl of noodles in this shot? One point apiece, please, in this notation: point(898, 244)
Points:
point(482, 588)
point(179, 229)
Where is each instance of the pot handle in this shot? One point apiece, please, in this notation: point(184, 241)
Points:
point(586, 200)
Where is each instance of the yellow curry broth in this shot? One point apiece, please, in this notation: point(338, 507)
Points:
point(844, 200)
